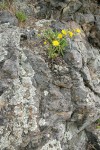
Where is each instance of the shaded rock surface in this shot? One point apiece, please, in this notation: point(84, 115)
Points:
point(7, 17)
point(50, 105)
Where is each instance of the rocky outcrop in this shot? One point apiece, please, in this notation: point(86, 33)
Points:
point(50, 105)
point(43, 108)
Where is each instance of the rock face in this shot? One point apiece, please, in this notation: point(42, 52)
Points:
point(45, 105)
point(37, 104)
point(84, 12)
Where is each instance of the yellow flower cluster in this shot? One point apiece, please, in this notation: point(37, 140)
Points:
point(60, 36)
point(63, 34)
point(57, 41)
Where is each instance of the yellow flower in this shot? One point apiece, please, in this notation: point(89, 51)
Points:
point(60, 36)
point(45, 42)
point(64, 32)
point(70, 34)
point(78, 30)
point(39, 35)
point(55, 43)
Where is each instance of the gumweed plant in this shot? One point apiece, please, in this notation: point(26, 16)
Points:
point(57, 42)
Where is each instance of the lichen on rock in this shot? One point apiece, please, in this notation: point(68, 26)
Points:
point(50, 104)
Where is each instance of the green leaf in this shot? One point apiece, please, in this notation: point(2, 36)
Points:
point(98, 127)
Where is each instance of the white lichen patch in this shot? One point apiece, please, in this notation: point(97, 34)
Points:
point(25, 111)
point(42, 122)
point(17, 132)
point(68, 135)
point(46, 93)
point(3, 53)
point(4, 142)
point(20, 98)
point(1, 129)
point(43, 22)
point(52, 145)
point(24, 97)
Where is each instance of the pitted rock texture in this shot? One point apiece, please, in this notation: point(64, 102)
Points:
point(50, 105)
point(18, 100)
point(43, 107)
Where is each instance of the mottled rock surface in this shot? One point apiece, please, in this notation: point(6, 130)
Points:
point(7, 17)
point(47, 105)
point(37, 103)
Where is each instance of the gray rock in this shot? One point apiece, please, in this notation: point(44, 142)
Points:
point(84, 18)
point(42, 107)
point(10, 68)
point(88, 18)
point(71, 8)
point(86, 74)
point(75, 143)
point(41, 11)
point(52, 145)
point(57, 3)
point(7, 17)
point(79, 17)
point(13, 74)
point(73, 58)
point(98, 21)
